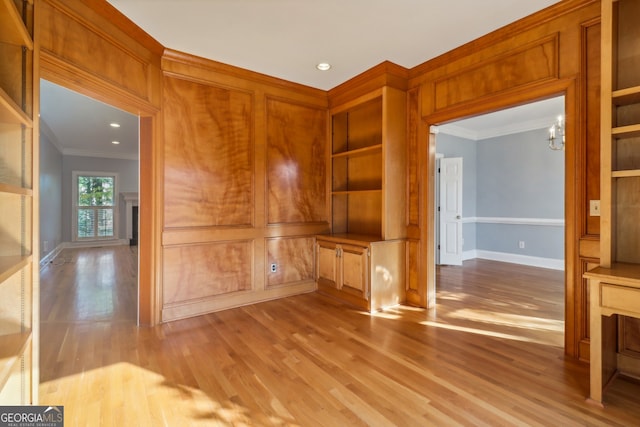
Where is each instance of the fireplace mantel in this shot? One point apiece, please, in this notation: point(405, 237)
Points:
point(130, 200)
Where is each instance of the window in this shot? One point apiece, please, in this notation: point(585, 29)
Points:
point(94, 195)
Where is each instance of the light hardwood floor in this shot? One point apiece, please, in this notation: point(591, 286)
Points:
point(489, 354)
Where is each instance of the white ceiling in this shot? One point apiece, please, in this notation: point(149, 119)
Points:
point(80, 126)
point(286, 39)
point(523, 118)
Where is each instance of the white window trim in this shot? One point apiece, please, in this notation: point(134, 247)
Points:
point(74, 203)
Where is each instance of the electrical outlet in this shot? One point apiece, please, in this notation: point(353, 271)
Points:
point(594, 207)
point(521, 244)
point(274, 268)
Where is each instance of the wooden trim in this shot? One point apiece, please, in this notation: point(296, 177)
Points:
point(109, 13)
point(384, 74)
point(515, 97)
point(537, 19)
point(212, 66)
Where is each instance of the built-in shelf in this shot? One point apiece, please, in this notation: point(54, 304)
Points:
point(626, 96)
point(347, 192)
point(10, 265)
point(359, 151)
point(626, 131)
point(12, 28)
point(626, 173)
point(12, 189)
point(10, 112)
point(351, 237)
point(12, 347)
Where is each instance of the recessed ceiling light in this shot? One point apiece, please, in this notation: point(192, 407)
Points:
point(115, 142)
point(323, 66)
point(114, 125)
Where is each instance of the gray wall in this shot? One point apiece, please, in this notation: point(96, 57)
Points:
point(513, 176)
point(520, 177)
point(127, 171)
point(50, 196)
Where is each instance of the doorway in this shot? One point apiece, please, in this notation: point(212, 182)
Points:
point(511, 208)
point(89, 174)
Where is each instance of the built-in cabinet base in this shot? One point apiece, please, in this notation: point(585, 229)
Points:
point(361, 270)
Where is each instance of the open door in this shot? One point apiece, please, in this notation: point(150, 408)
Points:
point(450, 209)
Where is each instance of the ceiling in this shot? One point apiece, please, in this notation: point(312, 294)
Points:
point(523, 118)
point(286, 39)
point(80, 126)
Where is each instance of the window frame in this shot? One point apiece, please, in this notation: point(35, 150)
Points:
point(76, 206)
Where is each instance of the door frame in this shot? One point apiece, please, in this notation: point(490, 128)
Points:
point(427, 161)
point(76, 79)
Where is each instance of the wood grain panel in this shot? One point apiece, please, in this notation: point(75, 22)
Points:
point(413, 184)
point(208, 155)
point(294, 258)
point(629, 336)
point(201, 271)
point(534, 62)
point(591, 152)
point(82, 44)
point(627, 212)
point(583, 310)
point(296, 163)
point(412, 277)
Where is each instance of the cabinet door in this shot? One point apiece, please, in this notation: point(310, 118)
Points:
point(355, 265)
point(327, 264)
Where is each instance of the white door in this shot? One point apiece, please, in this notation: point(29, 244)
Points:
point(451, 211)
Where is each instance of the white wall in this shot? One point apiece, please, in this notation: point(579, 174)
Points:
point(50, 196)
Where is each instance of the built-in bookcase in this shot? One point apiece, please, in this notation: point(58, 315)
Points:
point(621, 133)
point(18, 295)
point(363, 260)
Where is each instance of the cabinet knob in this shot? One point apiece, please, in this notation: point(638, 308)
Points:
point(458, 217)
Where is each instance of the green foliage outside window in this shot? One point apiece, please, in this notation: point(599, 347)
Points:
point(95, 206)
point(95, 191)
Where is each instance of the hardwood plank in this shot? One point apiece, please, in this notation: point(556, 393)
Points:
point(489, 354)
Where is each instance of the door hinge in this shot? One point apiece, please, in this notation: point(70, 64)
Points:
point(438, 247)
point(438, 170)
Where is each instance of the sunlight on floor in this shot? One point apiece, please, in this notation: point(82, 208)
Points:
point(511, 320)
point(122, 383)
point(549, 340)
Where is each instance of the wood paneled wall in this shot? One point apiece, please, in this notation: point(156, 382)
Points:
point(245, 186)
point(553, 52)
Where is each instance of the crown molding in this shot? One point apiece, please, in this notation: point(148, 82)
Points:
point(510, 129)
point(99, 154)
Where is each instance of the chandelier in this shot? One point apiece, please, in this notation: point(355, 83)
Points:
point(556, 135)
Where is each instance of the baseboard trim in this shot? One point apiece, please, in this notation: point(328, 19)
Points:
point(550, 263)
point(48, 258)
point(97, 243)
point(51, 256)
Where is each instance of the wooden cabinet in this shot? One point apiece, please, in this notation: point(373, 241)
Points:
point(363, 272)
point(614, 285)
point(18, 282)
point(363, 260)
point(344, 267)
